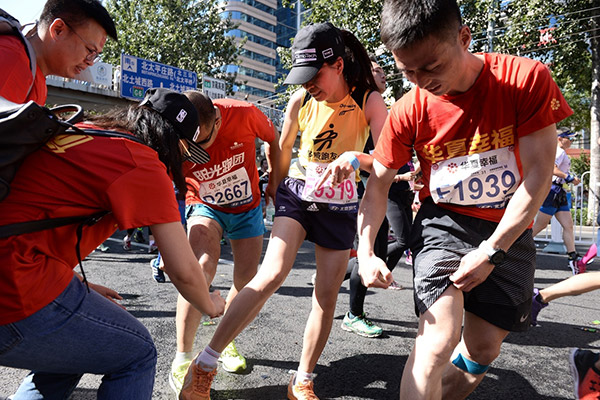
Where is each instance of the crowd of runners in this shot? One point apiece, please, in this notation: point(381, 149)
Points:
point(463, 124)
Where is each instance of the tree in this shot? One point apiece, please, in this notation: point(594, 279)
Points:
point(186, 34)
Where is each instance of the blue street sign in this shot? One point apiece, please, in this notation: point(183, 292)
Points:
point(139, 75)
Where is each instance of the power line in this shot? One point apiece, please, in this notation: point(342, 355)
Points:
point(535, 20)
point(566, 23)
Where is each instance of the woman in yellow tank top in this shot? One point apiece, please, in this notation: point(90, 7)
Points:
point(334, 110)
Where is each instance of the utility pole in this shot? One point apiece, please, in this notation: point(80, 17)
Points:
point(491, 25)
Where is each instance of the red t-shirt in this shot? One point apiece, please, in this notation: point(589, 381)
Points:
point(15, 73)
point(229, 181)
point(468, 144)
point(75, 175)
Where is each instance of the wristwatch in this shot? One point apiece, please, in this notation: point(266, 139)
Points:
point(495, 256)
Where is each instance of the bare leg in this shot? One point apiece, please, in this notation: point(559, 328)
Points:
point(541, 222)
point(438, 335)
point(565, 219)
point(286, 237)
point(480, 343)
point(331, 267)
point(573, 286)
point(204, 235)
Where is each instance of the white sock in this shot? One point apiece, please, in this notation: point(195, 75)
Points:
point(208, 359)
point(182, 356)
point(304, 377)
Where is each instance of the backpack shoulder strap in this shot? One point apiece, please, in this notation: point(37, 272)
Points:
point(16, 31)
point(21, 228)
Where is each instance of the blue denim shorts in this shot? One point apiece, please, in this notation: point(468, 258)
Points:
point(238, 226)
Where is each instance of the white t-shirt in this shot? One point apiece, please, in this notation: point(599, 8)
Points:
point(563, 162)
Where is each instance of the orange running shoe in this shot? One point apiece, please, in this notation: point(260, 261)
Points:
point(196, 384)
point(301, 391)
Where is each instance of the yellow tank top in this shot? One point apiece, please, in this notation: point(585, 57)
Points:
point(330, 129)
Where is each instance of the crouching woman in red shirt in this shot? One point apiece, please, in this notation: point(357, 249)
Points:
point(50, 322)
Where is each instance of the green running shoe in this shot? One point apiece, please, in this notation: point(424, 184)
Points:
point(232, 360)
point(177, 375)
point(361, 326)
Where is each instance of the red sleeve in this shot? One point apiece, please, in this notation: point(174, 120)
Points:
point(15, 73)
point(394, 147)
point(261, 125)
point(539, 101)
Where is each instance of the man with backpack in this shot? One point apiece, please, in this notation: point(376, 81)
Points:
point(68, 38)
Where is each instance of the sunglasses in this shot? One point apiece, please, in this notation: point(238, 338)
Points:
point(93, 55)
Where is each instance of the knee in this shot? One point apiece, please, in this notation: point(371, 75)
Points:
point(482, 353)
point(439, 346)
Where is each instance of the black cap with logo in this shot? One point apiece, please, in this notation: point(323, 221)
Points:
point(313, 45)
point(179, 111)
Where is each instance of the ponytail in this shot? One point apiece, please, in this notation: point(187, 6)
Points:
point(357, 64)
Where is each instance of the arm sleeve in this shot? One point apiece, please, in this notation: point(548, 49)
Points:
point(540, 102)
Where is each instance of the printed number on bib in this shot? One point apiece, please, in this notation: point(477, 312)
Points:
point(343, 193)
point(485, 180)
point(230, 190)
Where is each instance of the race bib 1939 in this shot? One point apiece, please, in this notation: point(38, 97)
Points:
point(485, 180)
point(230, 190)
point(344, 193)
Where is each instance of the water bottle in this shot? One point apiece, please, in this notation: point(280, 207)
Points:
point(270, 214)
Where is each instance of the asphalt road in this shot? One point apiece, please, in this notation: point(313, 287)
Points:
point(532, 365)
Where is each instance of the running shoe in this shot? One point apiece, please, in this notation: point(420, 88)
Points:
point(197, 382)
point(408, 259)
point(585, 379)
point(138, 236)
point(157, 273)
point(576, 266)
point(300, 390)
point(177, 375)
point(103, 248)
point(361, 325)
point(223, 242)
point(232, 360)
point(536, 306)
point(395, 286)
point(127, 243)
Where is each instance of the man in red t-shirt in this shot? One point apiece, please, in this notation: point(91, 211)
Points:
point(224, 196)
point(68, 38)
point(483, 128)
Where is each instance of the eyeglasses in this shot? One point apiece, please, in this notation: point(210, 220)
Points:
point(93, 55)
point(204, 141)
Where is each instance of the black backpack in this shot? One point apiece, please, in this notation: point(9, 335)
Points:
point(25, 128)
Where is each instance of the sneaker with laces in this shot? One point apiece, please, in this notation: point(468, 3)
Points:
point(576, 266)
point(157, 273)
point(197, 382)
point(231, 359)
point(585, 378)
point(536, 306)
point(361, 325)
point(127, 243)
point(177, 375)
point(300, 390)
